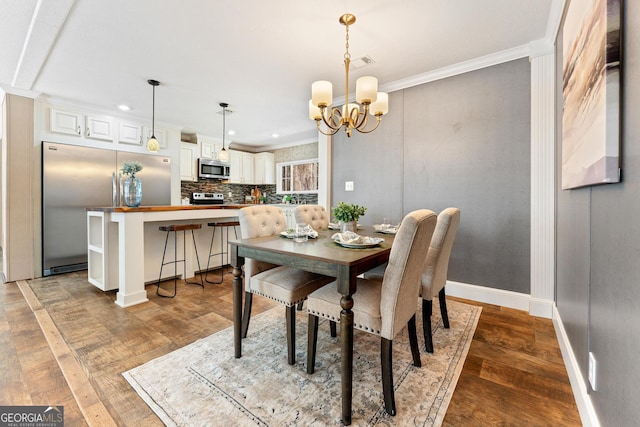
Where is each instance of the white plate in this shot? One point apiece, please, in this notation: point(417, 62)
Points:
point(389, 231)
point(358, 245)
point(288, 235)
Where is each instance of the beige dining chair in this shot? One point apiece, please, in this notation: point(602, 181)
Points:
point(434, 277)
point(384, 307)
point(288, 286)
point(314, 215)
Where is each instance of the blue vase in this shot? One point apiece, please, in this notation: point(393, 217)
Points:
point(132, 192)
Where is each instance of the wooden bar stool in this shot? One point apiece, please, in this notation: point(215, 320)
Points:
point(224, 253)
point(175, 228)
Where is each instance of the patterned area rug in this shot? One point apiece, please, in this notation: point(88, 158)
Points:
point(202, 383)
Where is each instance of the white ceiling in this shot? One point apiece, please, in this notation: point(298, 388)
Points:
point(259, 56)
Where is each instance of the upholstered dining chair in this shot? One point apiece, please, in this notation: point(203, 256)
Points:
point(434, 277)
point(314, 215)
point(288, 286)
point(384, 307)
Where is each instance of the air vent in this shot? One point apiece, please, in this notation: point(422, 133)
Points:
point(361, 62)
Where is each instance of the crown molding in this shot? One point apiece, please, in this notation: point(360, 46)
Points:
point(20, 92)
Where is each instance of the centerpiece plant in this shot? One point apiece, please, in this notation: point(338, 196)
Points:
point(132, 186)
point(348, 215)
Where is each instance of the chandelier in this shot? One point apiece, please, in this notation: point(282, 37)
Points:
point(352, 115)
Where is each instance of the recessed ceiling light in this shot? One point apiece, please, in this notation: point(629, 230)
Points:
point(274, 135)
point(124, 107)
point(232, 132)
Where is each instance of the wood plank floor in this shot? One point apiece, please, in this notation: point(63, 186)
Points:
point(513, 375)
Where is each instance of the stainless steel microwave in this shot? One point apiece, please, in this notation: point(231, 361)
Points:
point(210, 168)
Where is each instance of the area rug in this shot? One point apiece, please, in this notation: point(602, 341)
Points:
point(202, 383)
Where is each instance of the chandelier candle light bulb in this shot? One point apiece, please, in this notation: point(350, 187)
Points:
point(351, 116)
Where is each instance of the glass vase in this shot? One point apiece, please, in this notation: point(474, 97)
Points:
point(132, 192)
point(349, 226)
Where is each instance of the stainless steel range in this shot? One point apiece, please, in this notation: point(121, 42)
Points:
point(207, 198)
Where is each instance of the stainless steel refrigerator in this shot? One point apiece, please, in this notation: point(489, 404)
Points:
point(75, 178)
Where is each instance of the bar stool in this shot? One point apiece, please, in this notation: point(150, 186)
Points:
point(175, 228)
point(224, 253)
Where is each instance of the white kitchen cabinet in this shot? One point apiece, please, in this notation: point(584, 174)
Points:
point(98, 127)
point(209, 148)
point(130, 133)
point(188, 162)
point(66, 122)
point(264, 168)
point(241, 165)
point(161, 136)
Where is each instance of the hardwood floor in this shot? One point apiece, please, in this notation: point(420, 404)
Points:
point(513, 375)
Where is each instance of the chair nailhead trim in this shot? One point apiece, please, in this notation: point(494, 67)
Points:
point(334, 319)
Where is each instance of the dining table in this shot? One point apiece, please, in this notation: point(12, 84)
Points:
point(319, 255)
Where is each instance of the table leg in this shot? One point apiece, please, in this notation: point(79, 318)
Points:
point(346, 329)
point(237, 262)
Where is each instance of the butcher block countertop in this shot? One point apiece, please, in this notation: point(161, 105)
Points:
point(166, 208)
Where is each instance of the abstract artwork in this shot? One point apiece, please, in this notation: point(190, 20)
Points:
point(591, 71)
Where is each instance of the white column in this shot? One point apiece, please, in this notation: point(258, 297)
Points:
point(542, 184)
point(324, 171)
point(131, 289)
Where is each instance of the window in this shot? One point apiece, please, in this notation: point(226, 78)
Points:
point(297, 177)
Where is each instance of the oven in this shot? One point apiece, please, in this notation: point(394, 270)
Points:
point(207, 198)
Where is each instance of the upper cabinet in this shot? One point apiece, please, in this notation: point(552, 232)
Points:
point(264, 169)
point(249, 168)
point(130, 133)
point(65, 122)
point(98, 127)
point(209, 148)
point(103, 127)
point(188, 162)
point(241, 165)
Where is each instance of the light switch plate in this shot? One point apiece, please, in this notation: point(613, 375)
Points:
point(348, 186)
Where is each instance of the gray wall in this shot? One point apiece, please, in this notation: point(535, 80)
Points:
point(461, 141)
point(598, 259)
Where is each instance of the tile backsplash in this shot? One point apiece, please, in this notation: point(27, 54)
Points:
point(239, 191)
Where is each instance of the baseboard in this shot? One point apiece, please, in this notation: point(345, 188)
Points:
point(583, 400)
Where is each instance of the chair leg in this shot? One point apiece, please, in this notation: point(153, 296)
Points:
point(246, 316)
point(312, 339)
point(332, 327)
point(300, 305)
point(426, 324)
point(443, 308)
point(386, 360)
point(413, 341)
point(291, 334)
point(160, 276)
point(195, 248)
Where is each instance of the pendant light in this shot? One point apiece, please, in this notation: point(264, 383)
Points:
point(224, 155)
point(152, 143)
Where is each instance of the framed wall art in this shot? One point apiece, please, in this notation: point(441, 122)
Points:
point(592, 93)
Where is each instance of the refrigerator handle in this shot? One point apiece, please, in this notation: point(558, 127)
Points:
point(114, 190)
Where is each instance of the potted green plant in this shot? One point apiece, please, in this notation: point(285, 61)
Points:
point(348, 214)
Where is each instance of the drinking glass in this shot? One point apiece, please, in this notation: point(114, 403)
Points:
point(386, 223)
point(301, 232)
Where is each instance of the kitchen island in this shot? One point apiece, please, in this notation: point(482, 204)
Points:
point(125, 246)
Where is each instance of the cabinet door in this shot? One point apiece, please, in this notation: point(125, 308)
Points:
point(188, 167)
point(235, 164)
point(247, 168)
point(99, 128)
point(65, 122)
point(130, 133)
point(264, 168)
